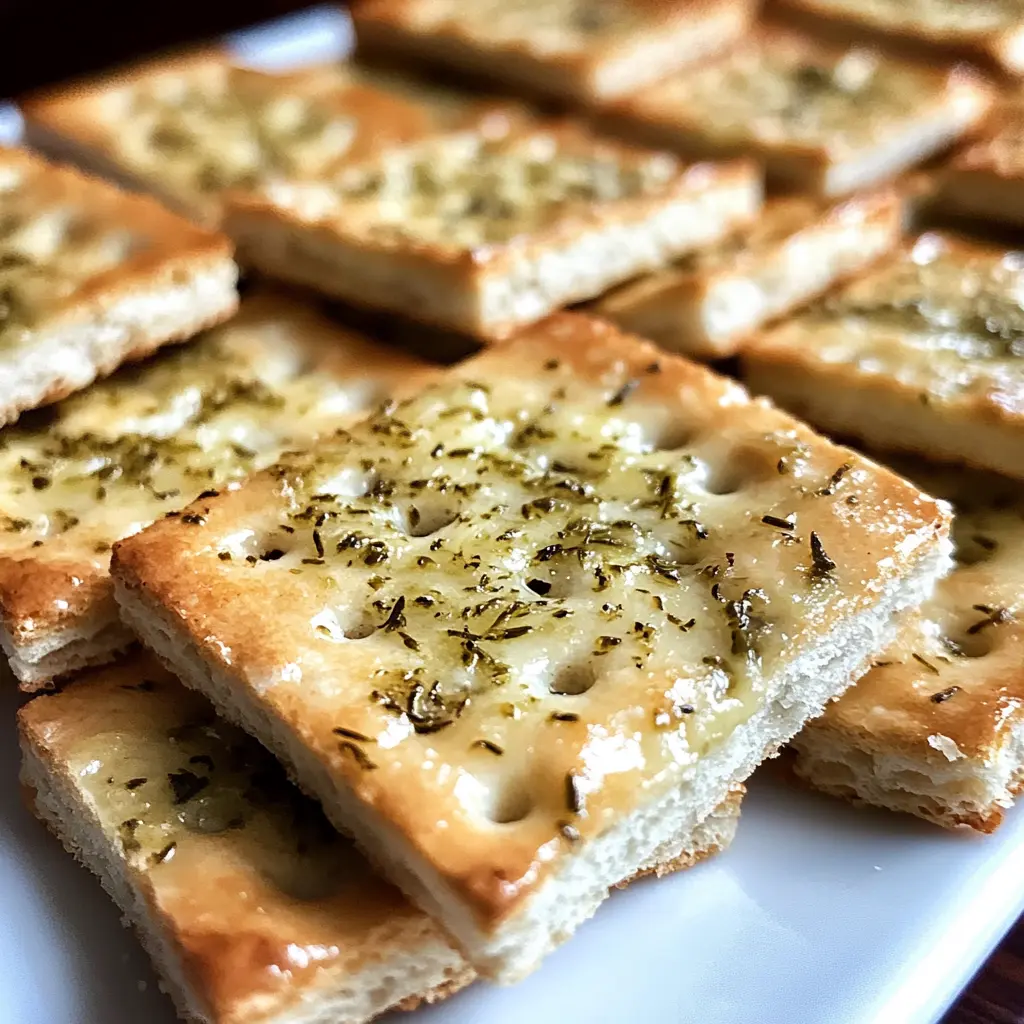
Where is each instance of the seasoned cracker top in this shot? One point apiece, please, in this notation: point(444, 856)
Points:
point(196, 806)
point(197, 128)
point(67, 240)
point(469, 194)
point(947, 20)
point(943, 318)
point(551, 28)
point(780, 89)
point(953, 686)
point(102, 464)
point(535, 596)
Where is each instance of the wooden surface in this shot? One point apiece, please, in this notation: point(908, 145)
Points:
point(996, 996)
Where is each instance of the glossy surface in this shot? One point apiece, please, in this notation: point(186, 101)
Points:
point(102, 464)
point(66, 239)
point(950, 693)
point(948, 19)
point(819, 912)
point(822, 913)
point(537, 594)
point(195, 127)
point(237, 868)
point(944, 318)
point(780, 89)
point(958, 673)
point(467, 192)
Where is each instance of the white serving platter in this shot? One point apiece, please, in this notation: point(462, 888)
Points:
point(819, 914)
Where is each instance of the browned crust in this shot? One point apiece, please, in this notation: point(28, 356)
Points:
point(775, 351)
point(951, 687)
point(729, 807)
point(482, 260)
point(431, 267)
point(174, 253)
point(52, 588)
point(175, 246)
point(892, 710)
point(175, 249)
point(68, 120)
point(171, 571)
point(998, 50)
point(984, 823)
point(228, 941)
point(645, 118)
point(39, 596)
point(439, 992)
point(696, 28)
point(61, 388)
point(62, 121)
point(674, 297)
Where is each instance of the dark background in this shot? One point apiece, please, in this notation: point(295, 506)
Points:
point(45, 41)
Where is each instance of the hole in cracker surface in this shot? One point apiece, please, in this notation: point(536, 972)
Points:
point(672, 435)
point(972, 547)
point(573, 679)
point(422, 518)
point(557, 577)
point(735, 470)
point(971, 645)
point(357, 626)
point(339, 624)
point(495, 796)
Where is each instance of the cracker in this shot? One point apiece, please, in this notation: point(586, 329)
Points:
point(936, 729)
point(92, 277)
point(827, 120)
point(712, 299)
point(992, 32)
point(178, 802)
point(576, 50)
point(189, 129)
point(562, 601)
point(924, 354)
point(252, 908)
point(486, 234)
point(104, 463)
point(985, 180)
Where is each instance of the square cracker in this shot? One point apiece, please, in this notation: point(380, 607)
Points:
point(561, 602)
point(92, 277)
point(104, 463)
point(712, 299)
point(936, 728)
point(248, 902)
point(191, 128)
point(579, 50)
point(824, 119)
point(986, 178)
point(485, 234)
point(184, 803)
point(991, 31)
point(925, 353)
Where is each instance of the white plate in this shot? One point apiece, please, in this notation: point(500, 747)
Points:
point(818, 915)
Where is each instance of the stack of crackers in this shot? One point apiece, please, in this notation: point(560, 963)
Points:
point(374, 670)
